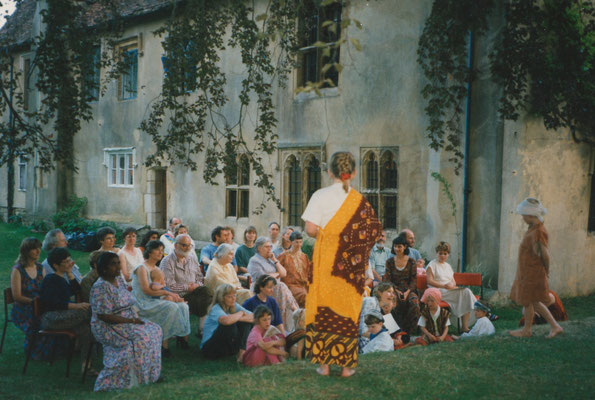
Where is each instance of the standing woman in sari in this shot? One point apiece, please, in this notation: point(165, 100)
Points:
point(346, 228)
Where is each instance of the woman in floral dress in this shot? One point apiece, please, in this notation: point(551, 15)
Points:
point(131, 345)
point(25, 283)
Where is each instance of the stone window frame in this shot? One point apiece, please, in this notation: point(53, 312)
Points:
point(130, 165)
point(302, 155)
point(238, 188)
point(375, 188)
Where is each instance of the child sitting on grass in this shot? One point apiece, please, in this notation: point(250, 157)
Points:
point(483, 326)
point(266, 344)
point(380, 339)
point(158, 283)
point(434, 320)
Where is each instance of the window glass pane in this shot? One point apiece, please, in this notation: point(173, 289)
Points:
point(232, 201)
point(130, 170)
point(389, 171)
point(390, 212)
point(244, 203)
point(129, 77)
point(295, 192)
point(314, 176)
point(244, 171)
point(121, 170)
point(373, 199)
point(371, 172)
point(114, 168)
point(22, 175)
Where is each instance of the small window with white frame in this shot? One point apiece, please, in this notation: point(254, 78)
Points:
point(22, 173)
point(120, 163)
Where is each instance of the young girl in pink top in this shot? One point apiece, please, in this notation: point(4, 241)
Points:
point(266, 344)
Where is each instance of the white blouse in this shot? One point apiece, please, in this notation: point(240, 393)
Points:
point(324, 204)
point(443, 272)
point(132, 261)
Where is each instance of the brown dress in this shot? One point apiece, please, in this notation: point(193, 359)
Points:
point(530, 284)
point(406, 313)
point(298, 267)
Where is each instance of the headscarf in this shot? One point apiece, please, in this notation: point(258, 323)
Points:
point(433, 292)
point(531, 206)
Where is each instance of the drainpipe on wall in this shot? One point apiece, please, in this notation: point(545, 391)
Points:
point(466, 188)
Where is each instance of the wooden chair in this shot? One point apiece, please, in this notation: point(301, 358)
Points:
point(8, 299)
point(66, 333)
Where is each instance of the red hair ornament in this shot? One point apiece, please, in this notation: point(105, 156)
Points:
point(345, 176)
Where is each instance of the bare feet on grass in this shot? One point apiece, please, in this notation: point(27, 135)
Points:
point(555, 332)
point(323, 370)
point(347, 372)
point(520, 333)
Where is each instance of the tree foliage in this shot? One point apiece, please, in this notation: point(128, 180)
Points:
point(545, 63)
point(443, 55)
point(543, 60)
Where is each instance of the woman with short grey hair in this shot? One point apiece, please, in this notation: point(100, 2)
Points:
point(265, 262)
point(53, 239)
point(221, 271)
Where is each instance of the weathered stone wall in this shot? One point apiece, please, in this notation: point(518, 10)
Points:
point(550, 166)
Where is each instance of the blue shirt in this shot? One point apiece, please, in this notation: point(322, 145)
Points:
point(209, 252)
point(272, 305)
point(212, 321)
point(378, 259)
point(413, 253)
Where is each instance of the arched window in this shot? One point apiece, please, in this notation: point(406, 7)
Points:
point(380, 183)
point(294, 174)
point(313, 177)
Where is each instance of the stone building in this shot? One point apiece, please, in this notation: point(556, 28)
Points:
point(376, 112)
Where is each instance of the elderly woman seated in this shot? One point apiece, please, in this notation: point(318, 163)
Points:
point(227, 326)
point(265, 262)
point(59, 312)
point(221, 271)
point(107, 239)
point(127, 339)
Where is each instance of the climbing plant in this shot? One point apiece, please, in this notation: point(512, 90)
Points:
point(199, 111)
point(543, 59)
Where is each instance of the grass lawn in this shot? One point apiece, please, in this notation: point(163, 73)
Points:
point(495, 367)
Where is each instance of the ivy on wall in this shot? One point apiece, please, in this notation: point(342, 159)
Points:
point(543, 60)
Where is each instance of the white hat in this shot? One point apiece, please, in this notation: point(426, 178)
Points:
point(531, 206)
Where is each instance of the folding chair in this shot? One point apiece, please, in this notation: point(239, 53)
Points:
point(67, 333)
point(8, 299)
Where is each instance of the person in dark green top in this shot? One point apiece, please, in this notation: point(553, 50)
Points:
point(245, 252)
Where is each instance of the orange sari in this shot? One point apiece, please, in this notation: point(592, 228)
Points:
point(334, 299)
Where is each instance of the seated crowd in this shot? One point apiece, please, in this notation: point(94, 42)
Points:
point(249, 298)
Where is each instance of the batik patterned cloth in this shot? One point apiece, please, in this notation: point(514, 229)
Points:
point(334, 299)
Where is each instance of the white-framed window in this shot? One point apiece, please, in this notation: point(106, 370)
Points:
point(22, 173)
point(120, 163)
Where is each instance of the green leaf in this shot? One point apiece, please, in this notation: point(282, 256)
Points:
point(261, 17)
point(319, 44)
point(358, 24)
point(338, 67)
point(356, 44)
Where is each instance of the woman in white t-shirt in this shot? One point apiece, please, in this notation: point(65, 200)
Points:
point(130, 256)
point(440, 275)
point(346, 228)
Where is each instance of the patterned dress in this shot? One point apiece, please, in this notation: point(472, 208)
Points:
point(406, 313)
point(22, 314)
point(334, 300)
point(131, 352)
point(173, 318)
point(298, 271)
